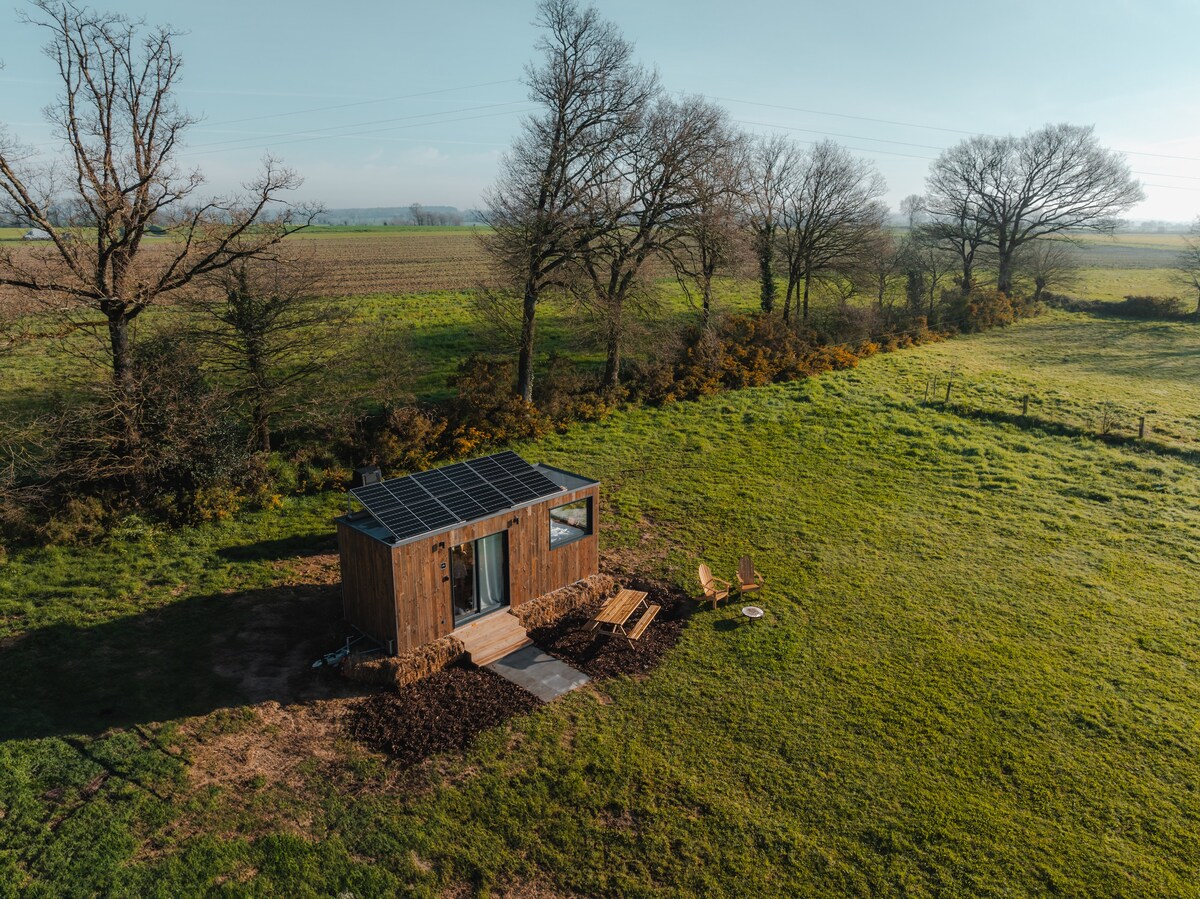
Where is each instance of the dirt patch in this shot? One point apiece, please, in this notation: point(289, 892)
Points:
point(269, 744)
point(285, 630)
point(323, 568)
point(445, 711)
point(599, 656)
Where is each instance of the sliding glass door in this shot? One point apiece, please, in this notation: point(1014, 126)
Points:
point(479, 576)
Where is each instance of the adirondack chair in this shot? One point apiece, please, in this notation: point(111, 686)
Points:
point(749, 580)
point(715, 589)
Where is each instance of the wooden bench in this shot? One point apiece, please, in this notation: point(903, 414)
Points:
point(618, 610)
point(643, 622)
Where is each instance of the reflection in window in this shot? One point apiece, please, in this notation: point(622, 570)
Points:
point(570, 522)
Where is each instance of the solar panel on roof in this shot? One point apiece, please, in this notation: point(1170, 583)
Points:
point(454, 494)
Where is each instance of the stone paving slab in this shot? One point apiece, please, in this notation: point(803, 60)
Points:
point(542, 675)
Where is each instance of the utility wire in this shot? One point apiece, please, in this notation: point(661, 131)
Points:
point(305, 140)
point(445, 90)
point(912, 124)
point(338, 128)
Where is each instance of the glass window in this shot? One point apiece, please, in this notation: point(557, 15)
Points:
point(570, 522)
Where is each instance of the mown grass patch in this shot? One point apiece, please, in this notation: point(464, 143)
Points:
point(977, 674)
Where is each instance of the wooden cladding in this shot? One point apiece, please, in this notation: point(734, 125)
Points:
point(367, 582)
point(402, 593)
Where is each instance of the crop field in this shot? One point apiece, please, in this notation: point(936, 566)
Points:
point(366, 261)
point(398, 260)
point(977, 675)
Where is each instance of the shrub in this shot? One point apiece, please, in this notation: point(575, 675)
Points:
point(981, 309)
point(739, 351)
point(165, 442)
point(566, 392)
point(80, 520)
point(651, 381)
point(1165, 308)
point(410, 438)
point(485, 411)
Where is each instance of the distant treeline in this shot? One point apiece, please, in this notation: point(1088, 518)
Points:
point(415, 214)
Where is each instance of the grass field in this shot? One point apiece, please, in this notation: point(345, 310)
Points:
point(977, 675)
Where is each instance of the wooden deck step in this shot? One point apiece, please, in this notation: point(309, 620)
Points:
point(492, 637)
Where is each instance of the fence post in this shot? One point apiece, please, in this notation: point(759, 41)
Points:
point(1142, 428)
point(1025, 406)
point(949, 384)
point(928, 384)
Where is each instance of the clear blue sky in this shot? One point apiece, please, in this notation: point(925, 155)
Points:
point(895, 80)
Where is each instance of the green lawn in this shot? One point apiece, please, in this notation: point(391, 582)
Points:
point(977, 675)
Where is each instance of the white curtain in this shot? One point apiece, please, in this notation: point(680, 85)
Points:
point(489, 570)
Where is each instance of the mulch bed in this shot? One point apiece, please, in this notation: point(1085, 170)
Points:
point(598, 656)
point(444, 711)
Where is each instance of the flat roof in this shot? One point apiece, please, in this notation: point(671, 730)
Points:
point(400, 510)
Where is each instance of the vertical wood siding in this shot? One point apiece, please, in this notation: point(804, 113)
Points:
point(414, 591)
point(367, 583)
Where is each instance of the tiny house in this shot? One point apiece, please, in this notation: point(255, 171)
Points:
point(440, 549)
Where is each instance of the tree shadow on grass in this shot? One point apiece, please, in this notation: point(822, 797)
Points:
point(187, 658)
point(285, 548)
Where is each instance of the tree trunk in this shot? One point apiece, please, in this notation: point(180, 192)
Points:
point(706, 300)
point(262, 427)
point(766, 274)
point(123, 380)
point(1004, 276)
point(931, 317)
point(525, 362)
point(612, 361)
point(122, 352)
point(807, 280)
point(787, 299)
point(968, 278)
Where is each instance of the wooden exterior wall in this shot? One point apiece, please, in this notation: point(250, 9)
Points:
point(418, 580)
point(366, 583)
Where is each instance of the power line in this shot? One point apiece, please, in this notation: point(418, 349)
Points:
point(445, 90)
point(843, 115)
point(880, 140)
point(304, 140)
point(316, 131)
point(903, 124)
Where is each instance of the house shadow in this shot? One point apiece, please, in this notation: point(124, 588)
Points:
point(187, 658)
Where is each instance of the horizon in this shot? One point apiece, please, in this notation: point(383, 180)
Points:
point(444, 105)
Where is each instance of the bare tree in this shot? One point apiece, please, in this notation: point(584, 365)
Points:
point(644, 207)
point(1046, 263)
point(774, 165)
point(122, 130)
point(832, 214)
point(268, 329)
point(927, 262)
point(1187, 264)
point(1052, 181)
point(712, 231)
point(876, 266)
point(955, 226)
point(912, 208)
point(591, 92)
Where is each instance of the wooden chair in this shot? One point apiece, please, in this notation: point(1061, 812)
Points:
point(712, 592)
point(749, 580)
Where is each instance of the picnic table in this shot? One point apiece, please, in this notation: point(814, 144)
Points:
point(614, 615)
